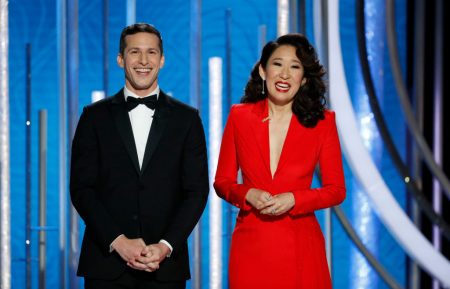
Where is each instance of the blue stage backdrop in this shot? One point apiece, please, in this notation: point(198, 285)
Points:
point(35, 22)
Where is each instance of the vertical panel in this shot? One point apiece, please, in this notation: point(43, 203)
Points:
point(72, 96)
point(215, 203)
point(42, 198)
point(28, 240)
point(5, 187)
point(195, 64)
point(418, 84)
point(131, 11)
point(364, 219)
point(437, 119)
point(262, 37)
point(320, 29)
point(283, 17)
point(106, 42)
point(294, 16)
point(195, 50)
point(61, 31)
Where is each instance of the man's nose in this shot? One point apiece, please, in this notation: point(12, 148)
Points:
point(143, 58)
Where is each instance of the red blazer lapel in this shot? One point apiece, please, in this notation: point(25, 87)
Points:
point(260, 127)
point(292, 142)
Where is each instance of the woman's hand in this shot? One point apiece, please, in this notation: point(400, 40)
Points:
point(279, 204)
point(258, 198)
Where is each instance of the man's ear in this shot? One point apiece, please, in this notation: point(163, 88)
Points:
point(120, 60)
point(162, 61)
point(262, 73)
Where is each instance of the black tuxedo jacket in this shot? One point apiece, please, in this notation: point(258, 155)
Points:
point(163, 200)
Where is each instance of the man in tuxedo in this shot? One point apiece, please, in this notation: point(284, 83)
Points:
point(139, 176)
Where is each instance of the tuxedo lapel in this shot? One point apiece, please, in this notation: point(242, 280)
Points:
point(160, 119)
point(123, 124)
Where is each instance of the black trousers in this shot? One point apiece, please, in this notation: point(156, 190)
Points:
point(132, 279)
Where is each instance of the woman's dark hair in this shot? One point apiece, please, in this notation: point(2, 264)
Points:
point(309, 101)
point(136, 28)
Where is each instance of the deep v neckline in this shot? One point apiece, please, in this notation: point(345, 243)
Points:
point(283, 148)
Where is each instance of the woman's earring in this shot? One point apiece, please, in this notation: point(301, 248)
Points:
point(263, 82)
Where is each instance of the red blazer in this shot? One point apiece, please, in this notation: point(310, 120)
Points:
point(296, 235)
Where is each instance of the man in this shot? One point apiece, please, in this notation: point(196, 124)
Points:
point(139, 176)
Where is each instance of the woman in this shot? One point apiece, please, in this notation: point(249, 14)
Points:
point(277, 136)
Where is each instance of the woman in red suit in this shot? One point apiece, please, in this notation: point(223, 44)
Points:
point(277, 136)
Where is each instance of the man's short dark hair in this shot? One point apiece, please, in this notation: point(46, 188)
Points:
point(136, 28)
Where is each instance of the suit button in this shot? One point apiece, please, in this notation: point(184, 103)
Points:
point(141, 185)
point(134, 217)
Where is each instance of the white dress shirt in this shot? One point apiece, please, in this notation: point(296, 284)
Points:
point(141, 118)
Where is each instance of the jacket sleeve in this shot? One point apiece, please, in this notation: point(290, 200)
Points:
point(332, 191)
point(225, 183)
point(83, 177)
point(195, 185)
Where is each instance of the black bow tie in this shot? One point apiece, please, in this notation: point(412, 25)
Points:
point(149, 101)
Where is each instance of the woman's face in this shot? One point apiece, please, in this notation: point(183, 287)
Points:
point(284, 75)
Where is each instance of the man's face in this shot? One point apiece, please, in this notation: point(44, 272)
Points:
point(141, 61)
